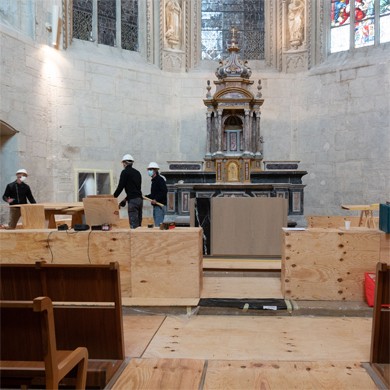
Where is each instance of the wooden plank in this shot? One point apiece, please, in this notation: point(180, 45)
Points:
point(242, 264)
point(334, 221)
point(263, 338)
point(141, 301)
point(166, 263)
point(161, 374)
point(101, 210)
point(361, 207)
point(236, 287)
point(335, 259)
point(384, 252)
point(277, 375)
point(33, 216)
point(138, 331)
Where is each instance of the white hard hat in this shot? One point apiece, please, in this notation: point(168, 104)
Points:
point(23, 171)
point(153, 165)
point(127, 157)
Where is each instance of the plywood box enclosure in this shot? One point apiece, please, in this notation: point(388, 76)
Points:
point(333, 221)
point(153, 263)
point(328, 264)
point(247, 226)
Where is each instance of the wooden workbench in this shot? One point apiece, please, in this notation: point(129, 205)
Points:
point(366, 213)
point(41, 215)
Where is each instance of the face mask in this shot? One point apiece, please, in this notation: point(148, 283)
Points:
point(150, 172)
point(23, 178)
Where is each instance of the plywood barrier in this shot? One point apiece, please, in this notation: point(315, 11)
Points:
point(333, 221)
point(247, 226)
point(328, 264)
point(160, 263)
point(385, 248)
point(162, 260)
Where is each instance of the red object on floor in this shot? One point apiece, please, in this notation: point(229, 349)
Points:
point(369, 286)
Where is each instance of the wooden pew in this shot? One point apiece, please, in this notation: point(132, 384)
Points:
point(87, 309)
point(380, 337)
point(28, 336)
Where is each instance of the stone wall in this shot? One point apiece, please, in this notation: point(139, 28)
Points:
point(86, 106)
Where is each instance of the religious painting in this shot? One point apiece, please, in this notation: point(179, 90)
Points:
point(185, 197)
point(171, 201)
point(232, 171)
point(296, 202)
point(233, 142)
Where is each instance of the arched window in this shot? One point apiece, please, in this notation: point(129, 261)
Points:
point(359, 23)
point(218, 17)
point(112, 23)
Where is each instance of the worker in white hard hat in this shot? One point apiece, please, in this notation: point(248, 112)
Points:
point(130, 180)
point(158, 193)
point(17, 192)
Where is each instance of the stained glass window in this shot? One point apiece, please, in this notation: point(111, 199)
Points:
point(129, 22)
point(359, 19)
point(384, 21)
point(85, 16)
point(82, 19)
point(107, 22)
point(218, 17)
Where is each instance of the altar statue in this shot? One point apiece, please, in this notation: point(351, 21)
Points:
point(172, 22)
point(295, 22)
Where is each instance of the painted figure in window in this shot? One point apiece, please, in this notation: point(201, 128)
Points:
point(295, 22)
point(341, 12)
point(172, 23)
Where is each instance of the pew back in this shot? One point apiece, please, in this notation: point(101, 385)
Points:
point(86, 300)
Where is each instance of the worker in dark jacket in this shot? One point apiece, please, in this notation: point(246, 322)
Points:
point(130, 180)
point(17, 192)
point(158, 194)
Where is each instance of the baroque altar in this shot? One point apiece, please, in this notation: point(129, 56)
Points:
point(233, 165)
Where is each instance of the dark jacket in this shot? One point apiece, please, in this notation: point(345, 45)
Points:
point(130, 180)
point(158, 190)
point(19, 192)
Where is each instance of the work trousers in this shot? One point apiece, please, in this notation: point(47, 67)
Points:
point(135, 212)
point(158, 215)
point(14, 215)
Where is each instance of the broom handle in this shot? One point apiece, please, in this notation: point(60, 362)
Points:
point(157, 203)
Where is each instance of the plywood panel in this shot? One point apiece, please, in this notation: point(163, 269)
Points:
point(168, 374)
point(247, 226)
point(153, 301)
point(101, 210)
point(138, 331)
point(24, 246)
point(335, 259)
point(242, 264)
point(33, 216)
point(166, 263)
point(277, 375)
point(238, 287)
point(263, 338)
point(384, 255)
point(334, 221)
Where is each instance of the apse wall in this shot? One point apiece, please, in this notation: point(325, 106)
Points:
point(84, 107)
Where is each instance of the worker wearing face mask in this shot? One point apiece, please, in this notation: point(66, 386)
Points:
point(17, 192)
point(158, 194)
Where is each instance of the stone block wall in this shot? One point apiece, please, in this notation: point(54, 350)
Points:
point(84, 107)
